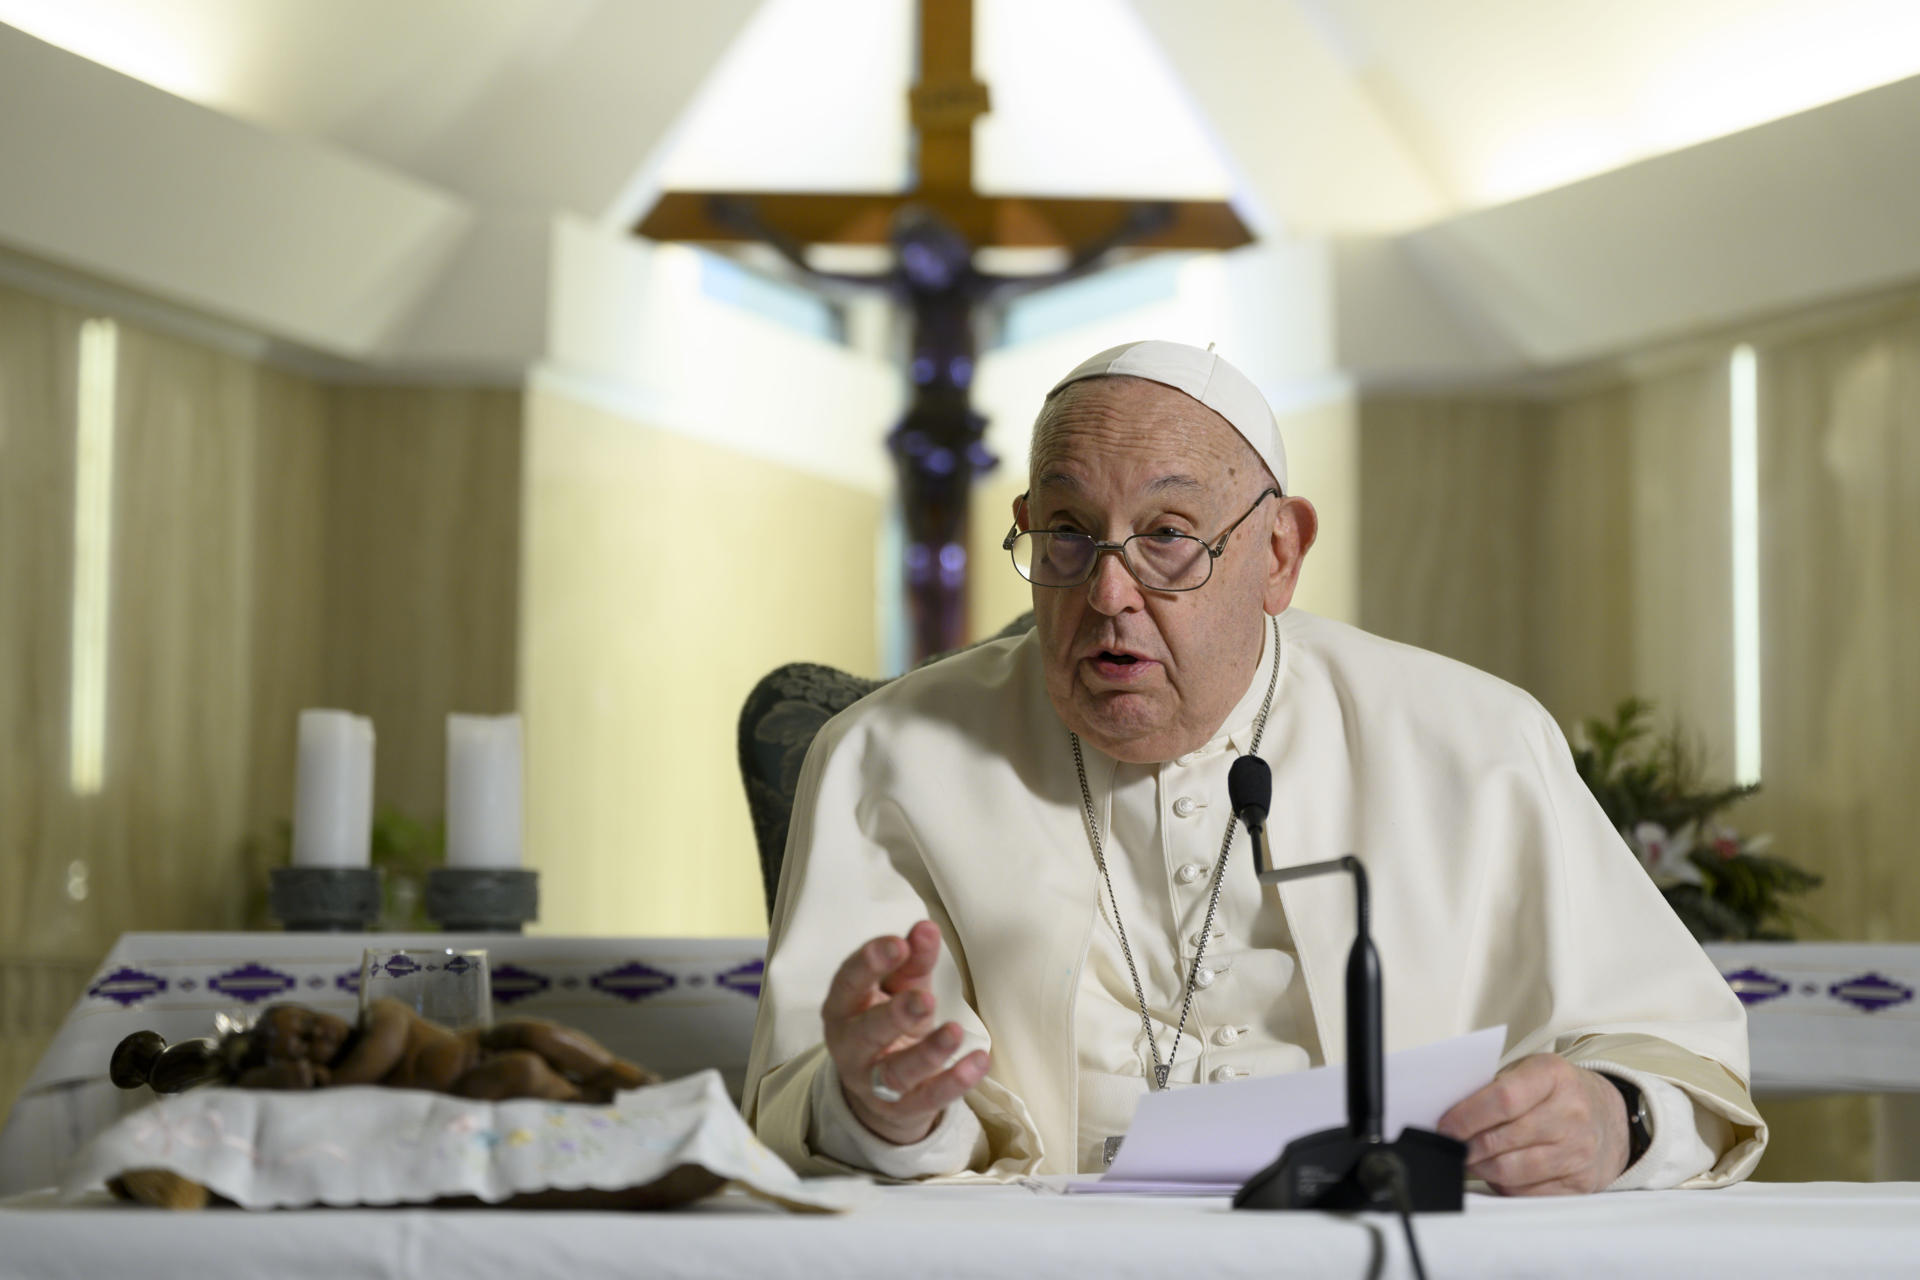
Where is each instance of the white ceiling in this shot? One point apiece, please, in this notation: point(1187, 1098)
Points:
point(1345, 115)
point(539, 105)
point(1504, 98)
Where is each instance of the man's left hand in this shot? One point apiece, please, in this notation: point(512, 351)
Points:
point(1545, 1127)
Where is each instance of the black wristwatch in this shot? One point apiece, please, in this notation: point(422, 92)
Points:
point(1639, 1123)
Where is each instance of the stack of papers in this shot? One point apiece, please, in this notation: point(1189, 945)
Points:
point(1208, 1140)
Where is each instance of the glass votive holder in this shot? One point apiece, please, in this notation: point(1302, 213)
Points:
point(450, 987)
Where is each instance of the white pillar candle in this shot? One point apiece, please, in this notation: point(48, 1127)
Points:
point(333, 790)
point(483, 792)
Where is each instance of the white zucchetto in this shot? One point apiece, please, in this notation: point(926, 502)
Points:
point(1204, 376)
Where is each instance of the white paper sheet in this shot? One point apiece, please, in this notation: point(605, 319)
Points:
point(1208, 1139)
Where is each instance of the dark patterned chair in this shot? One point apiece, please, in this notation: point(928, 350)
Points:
point(777, 725)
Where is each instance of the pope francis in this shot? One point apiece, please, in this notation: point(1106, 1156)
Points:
point(1014, 898)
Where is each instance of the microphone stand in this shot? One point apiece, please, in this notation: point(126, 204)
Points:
point(1356, 1168)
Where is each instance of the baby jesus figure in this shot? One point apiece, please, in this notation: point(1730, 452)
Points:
point(294, 1047)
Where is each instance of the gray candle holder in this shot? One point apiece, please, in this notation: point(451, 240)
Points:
point(325, 899)
point(482, 899)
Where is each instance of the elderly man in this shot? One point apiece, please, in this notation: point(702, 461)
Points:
point(1012, 902)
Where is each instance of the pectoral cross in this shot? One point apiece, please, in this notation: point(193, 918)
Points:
point(934, 227)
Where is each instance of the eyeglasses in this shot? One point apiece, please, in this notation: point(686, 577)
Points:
point(1157, 561)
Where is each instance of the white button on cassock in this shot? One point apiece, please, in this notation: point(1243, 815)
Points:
point(1204, 978)
point(1226, 1035)
point(1185, 760)
point(1189, 873)
point(1218, 935)
point(1183, 807)
point(1228, 1073)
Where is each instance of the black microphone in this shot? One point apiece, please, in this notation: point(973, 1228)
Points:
point(1250, 791)
point(1354, 1167)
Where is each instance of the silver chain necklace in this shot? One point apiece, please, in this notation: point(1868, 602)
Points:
point(1161, 1070)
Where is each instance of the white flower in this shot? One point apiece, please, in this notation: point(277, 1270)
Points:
point(1664, 853)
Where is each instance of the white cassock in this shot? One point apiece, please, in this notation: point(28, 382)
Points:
point(1500, 896)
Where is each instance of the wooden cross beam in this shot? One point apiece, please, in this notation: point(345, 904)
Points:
point(943, 104)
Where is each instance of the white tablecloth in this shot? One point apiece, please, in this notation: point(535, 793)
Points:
point(1750, 1231)
point(676, 1005)
point(1828, 1017)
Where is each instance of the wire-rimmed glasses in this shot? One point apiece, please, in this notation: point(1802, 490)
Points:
point(1157, 561)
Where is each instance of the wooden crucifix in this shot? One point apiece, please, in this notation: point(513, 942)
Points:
point(934, 229)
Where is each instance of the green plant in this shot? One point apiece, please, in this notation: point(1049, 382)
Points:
point(1724, 886)
point(406, 848)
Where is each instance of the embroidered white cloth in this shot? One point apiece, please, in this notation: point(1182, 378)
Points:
point(371, 1146)
point(1828, 1017)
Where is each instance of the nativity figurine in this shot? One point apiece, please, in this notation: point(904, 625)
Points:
point(293, 1047)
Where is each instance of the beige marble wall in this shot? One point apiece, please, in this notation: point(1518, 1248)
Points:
point(1580, 625)
point(276, 543)
point(1577, 546)
point(422, 569)
point(1446, 502)
point(1680, 541)
point(290, 620)
point(662, 577)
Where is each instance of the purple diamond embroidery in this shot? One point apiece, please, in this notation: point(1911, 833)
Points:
point(348, 982)
point(459, 964)
point(511, 983)
point(1870, 993)
point(744, 978)
point(127, 987)
point(251, 982)
point(1755, 986)
point(633, 981)
point(400, 966)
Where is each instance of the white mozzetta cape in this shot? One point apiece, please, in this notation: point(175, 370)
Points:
point(1500, 893)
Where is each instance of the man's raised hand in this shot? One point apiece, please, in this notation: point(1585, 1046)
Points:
point(879, 1026)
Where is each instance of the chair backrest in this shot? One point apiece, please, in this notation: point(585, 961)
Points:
point(777, 725)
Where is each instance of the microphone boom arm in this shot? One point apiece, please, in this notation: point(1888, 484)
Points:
point(1346, 862)
point(1366, 1074)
